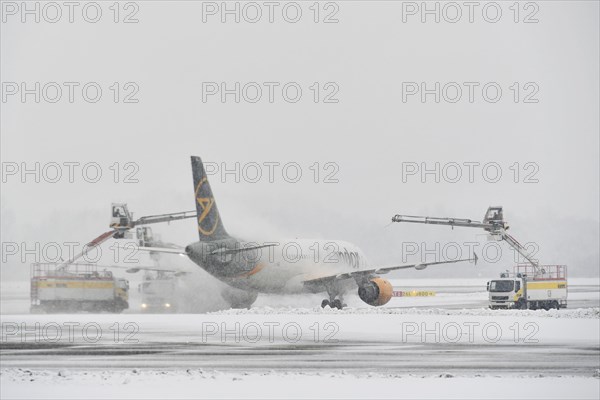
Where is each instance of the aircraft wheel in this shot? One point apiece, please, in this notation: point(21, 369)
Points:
point(337, 303)
point(325, 303)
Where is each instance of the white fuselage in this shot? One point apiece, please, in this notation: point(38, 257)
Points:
point(283, 267)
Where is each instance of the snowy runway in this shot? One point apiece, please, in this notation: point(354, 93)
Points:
point(412, 346)
point(350, 356)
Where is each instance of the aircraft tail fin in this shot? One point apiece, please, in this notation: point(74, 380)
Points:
point(210, 225)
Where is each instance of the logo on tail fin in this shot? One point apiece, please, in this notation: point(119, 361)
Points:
point(206, 204)
point(210, 224)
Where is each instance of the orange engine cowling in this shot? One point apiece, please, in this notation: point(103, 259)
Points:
point(376, 292)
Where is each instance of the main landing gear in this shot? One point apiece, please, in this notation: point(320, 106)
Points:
point(335, 303)
point(335, 299)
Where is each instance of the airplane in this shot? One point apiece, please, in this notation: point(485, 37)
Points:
point(282, 267)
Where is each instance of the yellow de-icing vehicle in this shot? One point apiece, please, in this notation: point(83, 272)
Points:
point(77, 287)
point(530, 287)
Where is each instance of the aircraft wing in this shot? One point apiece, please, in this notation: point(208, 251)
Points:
point(365, 274)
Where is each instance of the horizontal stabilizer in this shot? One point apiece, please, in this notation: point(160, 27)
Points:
point(180, 250)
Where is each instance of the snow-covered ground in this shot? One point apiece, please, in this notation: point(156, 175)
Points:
point(196, 383)
point(365, 352)
point(449, 345)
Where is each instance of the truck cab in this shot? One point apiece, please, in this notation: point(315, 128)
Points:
point(159, 294)
point(504, 292)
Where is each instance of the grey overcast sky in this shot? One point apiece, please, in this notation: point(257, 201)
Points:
point(536, 122)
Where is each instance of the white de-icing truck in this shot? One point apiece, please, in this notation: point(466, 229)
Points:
point(160, 292)
point(75, 288)
point(530, 287)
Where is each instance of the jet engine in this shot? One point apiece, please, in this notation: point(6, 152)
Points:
point(375, 292)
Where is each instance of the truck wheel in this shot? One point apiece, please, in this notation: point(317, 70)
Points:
point(555, 305)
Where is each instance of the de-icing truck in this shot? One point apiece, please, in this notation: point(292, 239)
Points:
point(530, 287)
point(76, 287)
